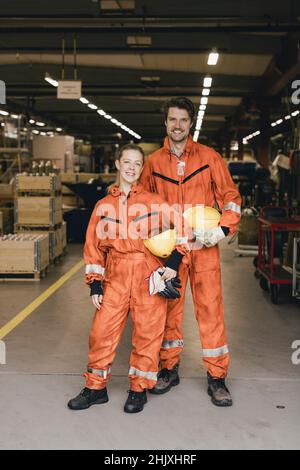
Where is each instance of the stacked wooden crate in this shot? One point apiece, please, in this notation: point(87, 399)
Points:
point(6, 192)
point(23, 256)
point(38, 209)
point(69, 199)
point(6, 208)
point(6, 220)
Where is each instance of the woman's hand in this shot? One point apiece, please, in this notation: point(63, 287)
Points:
point(97, 301)
point(168, 274)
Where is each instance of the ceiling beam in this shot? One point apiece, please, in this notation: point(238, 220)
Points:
point(140, 25)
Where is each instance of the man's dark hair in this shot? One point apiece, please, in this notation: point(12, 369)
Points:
point(182, 103)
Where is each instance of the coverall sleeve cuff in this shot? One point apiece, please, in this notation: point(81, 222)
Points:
point(96, 288)
point(174, 260)
point(225, 230)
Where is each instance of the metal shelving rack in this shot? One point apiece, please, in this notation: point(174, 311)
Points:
point(296, 270)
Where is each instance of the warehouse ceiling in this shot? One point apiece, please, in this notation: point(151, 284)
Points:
point(133, 55)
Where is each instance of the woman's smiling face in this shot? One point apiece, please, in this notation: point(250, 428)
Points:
point(130, 166)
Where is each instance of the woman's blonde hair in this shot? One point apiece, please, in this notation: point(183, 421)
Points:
point(119, 155)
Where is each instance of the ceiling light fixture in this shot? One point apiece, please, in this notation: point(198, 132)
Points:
point(196, 136)
point(207, 82)
point(51, 80)
point(213, 57)
point(84, 100)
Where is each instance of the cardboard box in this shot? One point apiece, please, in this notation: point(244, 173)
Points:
point(69, 177)
point(85, 177)
point(70, 200)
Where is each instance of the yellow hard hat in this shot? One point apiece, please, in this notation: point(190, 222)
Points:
point(202, 217)
point(163, 244)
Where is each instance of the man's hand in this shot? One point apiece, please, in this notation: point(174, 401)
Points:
point(170, 291)
point(97, 301)
point(168, 274)
point(166, 289)
point(209, 237)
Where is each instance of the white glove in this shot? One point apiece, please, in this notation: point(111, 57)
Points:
point(209, 237)
point(156, 283)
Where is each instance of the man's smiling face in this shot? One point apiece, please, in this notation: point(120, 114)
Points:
point(178, 124)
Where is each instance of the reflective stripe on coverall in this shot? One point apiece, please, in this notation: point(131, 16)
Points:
point(206, 181)
point(124, 264)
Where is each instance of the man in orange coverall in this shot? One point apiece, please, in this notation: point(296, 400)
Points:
point(188, 173)
point(114, 252)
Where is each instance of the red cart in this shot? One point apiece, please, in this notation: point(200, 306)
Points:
point(272, 274)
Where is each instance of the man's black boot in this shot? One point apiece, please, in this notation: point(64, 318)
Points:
point(220, 395)
point(135, 401)
point(165, 380)
point(88, 397)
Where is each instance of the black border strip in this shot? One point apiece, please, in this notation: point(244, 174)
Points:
point(165, 178)
point(195, 173)
point(110, 219)
point(141, 217)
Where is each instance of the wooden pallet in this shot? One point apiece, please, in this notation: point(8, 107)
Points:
point(39, 193)
point(57, 259)
point(23, 276)
point(34, 228)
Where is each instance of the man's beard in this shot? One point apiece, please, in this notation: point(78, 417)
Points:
point(177, 139)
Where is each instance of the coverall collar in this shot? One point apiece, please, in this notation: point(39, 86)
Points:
point(187, 149)
point(135, 189)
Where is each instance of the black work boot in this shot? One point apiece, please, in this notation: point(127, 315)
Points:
point(220, 395)
point(135, 401)
point(88, 397)
point(165, 380)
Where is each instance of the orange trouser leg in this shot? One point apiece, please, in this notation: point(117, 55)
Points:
point(108, 326)
point(149, 317)
point(104, 338)
point(173, 340)
point(208, 302)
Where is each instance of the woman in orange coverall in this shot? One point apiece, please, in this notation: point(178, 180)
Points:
point(118, 267)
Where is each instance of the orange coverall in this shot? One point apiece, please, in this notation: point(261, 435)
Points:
point(124, 265)
point(206, 181)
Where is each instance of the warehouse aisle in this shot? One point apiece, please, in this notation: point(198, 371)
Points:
point(46, 355)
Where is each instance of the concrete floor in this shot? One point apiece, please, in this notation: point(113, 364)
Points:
point(46, 355)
